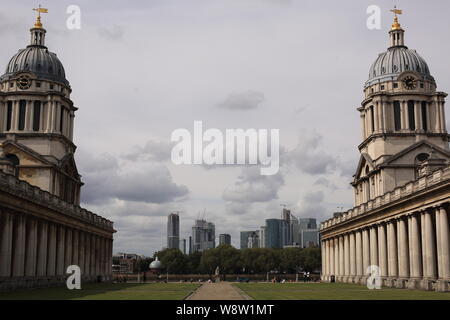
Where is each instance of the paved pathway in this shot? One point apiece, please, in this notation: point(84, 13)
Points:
point(218, 291)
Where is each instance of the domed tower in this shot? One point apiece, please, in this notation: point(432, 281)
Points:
point(36, 119)
point(402, 119)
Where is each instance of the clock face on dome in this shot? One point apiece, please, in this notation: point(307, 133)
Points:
point(24, 82)
point(410, 83)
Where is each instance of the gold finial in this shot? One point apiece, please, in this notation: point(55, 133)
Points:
point(396, 25)
point(39, 10)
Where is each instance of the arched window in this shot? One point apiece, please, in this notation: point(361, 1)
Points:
point(14, 161)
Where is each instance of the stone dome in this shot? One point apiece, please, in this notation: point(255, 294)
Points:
point(38, 60)
point(156, 264)
point(396, 60)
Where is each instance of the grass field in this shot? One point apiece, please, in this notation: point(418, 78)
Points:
point(107, 291)
point(333, 291)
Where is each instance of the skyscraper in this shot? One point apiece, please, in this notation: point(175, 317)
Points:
point(173, 231)
point(203, 235)
point(183, 245)
point(249, 239)
point(224, 239)
point(276, 233)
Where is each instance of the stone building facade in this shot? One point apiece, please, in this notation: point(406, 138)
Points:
point(42, 227)
point(400, 221)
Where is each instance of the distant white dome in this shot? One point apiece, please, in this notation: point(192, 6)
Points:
point(156, 264)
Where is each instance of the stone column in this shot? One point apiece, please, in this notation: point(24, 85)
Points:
point(380, 116)
point(60, 251)
point(418, 115)
point(403, 250)
point(68, 248)
point(31, 247)
point(322, 255)
point(336, 256)
point(75, 250)
point(42, 248)
point(359, 254)
point(437, 118)
point(51, 257)
point(352, 250)
point(442, 111)
point(346, 255)
point(341, 256)
point(392, 249)
point(415, 251)
point(81, 252)
point(366, 251)
point(443, 243)
point(93, 257)
point(332, 261)
point(404, 115)
point(430, 249)
point(375, 117)
point(6, 240)
point(28, 115)
point(382, 250)
point(18, 262)
point(326, 271)
point(373, 246)
point(87, 255)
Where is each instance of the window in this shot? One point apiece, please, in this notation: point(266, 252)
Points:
point(424, 116)
point(15, 162)
point(36, 115)
point(38, 84)
point(9, 115)
point(395, 85)
point(397, 116)
point(382, 87)
point(51, 87)
point(411, 116)
point(61, 119)
point(11, 84)
point(22, 111)
point(372, 118)
point(421, 85)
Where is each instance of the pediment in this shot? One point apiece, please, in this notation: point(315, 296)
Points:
point(364, 161)
point(26, 155)
point(409, 155)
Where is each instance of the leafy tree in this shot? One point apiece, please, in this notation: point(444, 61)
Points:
point(312, 259)
point(173, 260)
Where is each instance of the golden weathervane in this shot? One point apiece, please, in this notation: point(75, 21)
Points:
point(396, 25)
point(39, 10)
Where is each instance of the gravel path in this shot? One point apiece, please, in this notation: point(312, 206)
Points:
point(218, 291)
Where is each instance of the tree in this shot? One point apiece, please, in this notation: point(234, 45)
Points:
point(173, 260)
point(312, 259)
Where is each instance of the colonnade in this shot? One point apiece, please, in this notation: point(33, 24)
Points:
point(379, 117)
point(54, 117)
point(34, 248)
point(412, 250)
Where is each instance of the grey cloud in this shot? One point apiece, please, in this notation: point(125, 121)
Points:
point(105, 181)
point(251, 186)
point(309, 157)
point(152, 150)
point(243, 101)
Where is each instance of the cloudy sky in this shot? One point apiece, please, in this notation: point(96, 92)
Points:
point(141, 69)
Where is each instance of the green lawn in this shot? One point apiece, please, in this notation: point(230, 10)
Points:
point(333, 291)
point(107, 291)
